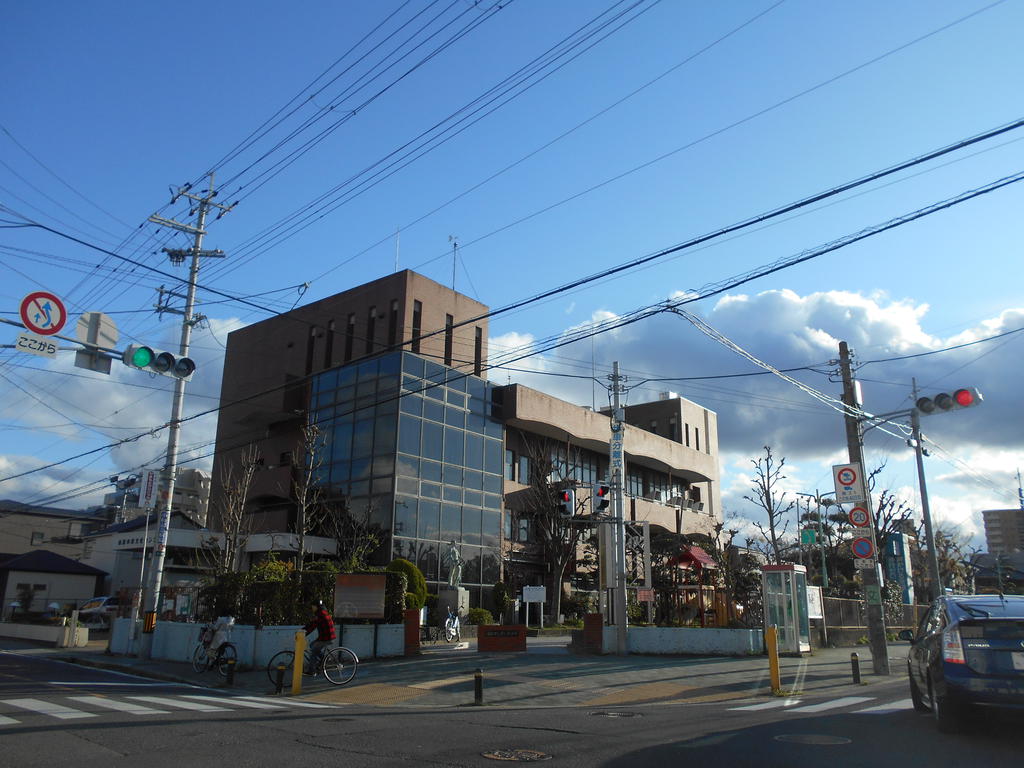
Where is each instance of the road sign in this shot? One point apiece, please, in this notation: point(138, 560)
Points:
point(35, 345)
point(43, 313)
point(859, 517)
point(864, 562)
point(95, 328)
point(863, 547)
point(808, 536)
point(849, 483)
point(148, 489)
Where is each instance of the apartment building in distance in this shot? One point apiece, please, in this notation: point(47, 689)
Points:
point(1004, 530)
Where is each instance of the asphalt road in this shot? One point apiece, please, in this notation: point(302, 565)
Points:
point(54, 714)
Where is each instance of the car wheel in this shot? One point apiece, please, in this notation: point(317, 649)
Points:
point(947, 715)
point(915, 697)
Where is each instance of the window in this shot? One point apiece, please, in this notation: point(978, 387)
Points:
point(329, 345)
point(687, 435)
point(310, 343)
point(449, 328)
point(417, 325)
point(654, 426)
point(673, 429)
point(523, 533)
point(478, 351)
point(696, 438)
point(524, 470)
point(371, 326)
point(393, 323)
point(510, 465)
point(350, 335)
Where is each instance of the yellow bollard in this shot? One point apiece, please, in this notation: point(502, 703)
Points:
point(771, 639)
point(300, 655)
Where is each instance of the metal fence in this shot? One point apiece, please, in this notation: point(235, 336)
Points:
point(841, 613)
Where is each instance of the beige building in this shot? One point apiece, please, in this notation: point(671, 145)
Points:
point(1004, 530)
point(26, 528)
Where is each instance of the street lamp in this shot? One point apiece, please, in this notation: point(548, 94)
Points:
point(821, 532)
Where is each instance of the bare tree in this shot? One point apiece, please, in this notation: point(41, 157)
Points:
point(307, 489)
point(235, 523)
point(556, 539)
point(355, 537)
point(767, 474)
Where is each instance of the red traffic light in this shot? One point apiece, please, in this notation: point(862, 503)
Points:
point(601, 491)
point(963, 398)
point(567, 496)
point(967, 397)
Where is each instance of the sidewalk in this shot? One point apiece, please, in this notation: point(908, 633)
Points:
point(545, 676)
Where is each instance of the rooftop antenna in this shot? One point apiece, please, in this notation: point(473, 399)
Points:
point(454, 240)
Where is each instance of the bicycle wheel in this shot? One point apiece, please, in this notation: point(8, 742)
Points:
point(339, 665)
point(225, 654)
point(450, 632)
point(285, 658)
point(200, 661)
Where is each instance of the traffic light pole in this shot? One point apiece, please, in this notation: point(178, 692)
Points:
point(203, 205)
point(872, 583)
point(926, 513)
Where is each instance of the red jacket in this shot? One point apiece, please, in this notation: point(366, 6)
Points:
point(323, 624)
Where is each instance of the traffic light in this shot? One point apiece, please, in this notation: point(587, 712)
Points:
point(946, 401)
point(157, 361)
point(567, 502)
point(601, 497)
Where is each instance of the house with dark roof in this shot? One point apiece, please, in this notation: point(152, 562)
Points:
point(27, 527)
point(36, 579)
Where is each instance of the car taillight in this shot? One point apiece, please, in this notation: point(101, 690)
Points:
point(952, 648)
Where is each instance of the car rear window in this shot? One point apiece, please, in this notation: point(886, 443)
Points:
point(994, 646)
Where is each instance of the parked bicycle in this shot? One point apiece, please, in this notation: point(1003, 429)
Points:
point(452, 630)
point(213, 650)
point(337, 664)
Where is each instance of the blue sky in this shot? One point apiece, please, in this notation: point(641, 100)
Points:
point(676, 120)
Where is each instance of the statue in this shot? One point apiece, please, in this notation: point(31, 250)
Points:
point(454, 561)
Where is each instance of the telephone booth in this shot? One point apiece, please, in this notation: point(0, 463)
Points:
point(784, 588)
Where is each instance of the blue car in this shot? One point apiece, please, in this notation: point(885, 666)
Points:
point(968, 652)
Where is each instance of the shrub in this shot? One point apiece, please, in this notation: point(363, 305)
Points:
point(479, 616)
point(501, 597)
point(417, 584)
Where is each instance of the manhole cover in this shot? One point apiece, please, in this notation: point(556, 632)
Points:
point(816, 739)
point(616, 714)
point(516, 755)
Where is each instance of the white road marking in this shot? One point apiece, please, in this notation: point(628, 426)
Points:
point(846, 701)
point(237, 701)
point(120, 706)
point(180, 704)
point(48, 708)
point(885, 709)
point(7, 720)
point(767, 705)
point(292, 702)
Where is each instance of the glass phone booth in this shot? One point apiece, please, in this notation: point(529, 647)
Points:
point(784, 588)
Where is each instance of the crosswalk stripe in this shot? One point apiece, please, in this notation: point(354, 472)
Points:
point(885, 709)
point(180, 704)
point(846, 701)
point(48, 708)
point(767, 705)
point(292, 702)
point(236, 701)
point(7, 720)
point(120, 706)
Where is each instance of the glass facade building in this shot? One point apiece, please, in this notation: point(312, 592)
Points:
point(415, 452)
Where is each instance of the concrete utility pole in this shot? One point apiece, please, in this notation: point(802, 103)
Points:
point(872, 583)
point(617, 470)
point(203, 206)
point(926, 513)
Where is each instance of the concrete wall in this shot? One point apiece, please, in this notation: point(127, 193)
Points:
point(59, 635)
point(689, 641)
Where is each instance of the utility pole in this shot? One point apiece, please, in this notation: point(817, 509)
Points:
point(617, 470)
point(929, 532)
point(872, 582)
point(203, 205)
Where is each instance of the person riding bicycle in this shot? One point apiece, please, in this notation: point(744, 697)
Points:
point(323, 623)
point(218, 635)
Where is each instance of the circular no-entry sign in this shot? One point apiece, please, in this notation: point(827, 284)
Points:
point(862, 547)
point(846, 476)
point(859, 516)
point(43, 313)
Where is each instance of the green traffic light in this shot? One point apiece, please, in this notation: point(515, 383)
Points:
point(142, 357)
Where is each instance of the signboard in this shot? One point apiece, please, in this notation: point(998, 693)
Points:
point(534, 594)
point(814, 604)
point(863, 547)
point(43, 313)
point(864, 562)
point(808, 536)
point(859, 517)
point(95, 328)
point(359, 595)
point(147, 489)
point(644, 595)
point(849, 483)
point(35, 345)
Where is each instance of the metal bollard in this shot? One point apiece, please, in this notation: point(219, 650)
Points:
point(279, 684)
point(855, 666)
point(231, 673)
point(478, 687)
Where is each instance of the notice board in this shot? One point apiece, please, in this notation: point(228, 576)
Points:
point(359, 595)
